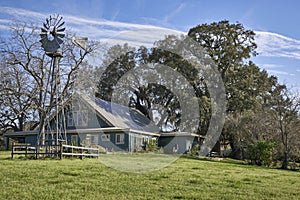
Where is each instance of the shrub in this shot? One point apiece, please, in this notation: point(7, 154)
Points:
point(195, 149)
point(260, 153)
point(151, 145)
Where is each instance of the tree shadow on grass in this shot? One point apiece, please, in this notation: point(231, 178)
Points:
point(215, 159)
point(238, 162)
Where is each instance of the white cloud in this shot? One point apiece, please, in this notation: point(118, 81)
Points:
point(4, 21)
point(269, 65)
point(97, 29)
point(277, 69)
point(113, 32)
point(269, 44)
point(275, 45)
point(279, 72)
point(21, 14)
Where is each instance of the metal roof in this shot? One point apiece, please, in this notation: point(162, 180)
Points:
point(180, 134)
point(121, 116)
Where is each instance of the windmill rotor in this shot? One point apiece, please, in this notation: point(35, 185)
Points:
point(52, 33)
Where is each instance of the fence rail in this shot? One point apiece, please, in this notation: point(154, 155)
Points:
point(22, 149)
point(57, 151)
point(68, 150)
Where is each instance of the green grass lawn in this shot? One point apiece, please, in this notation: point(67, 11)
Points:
point(5, 153)
point(185, 178)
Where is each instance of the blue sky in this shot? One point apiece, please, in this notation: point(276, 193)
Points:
point(266, 15)
point(275, 22)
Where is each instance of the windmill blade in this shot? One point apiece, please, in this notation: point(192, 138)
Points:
point(58, 21)
point(50, 21)
point(61, 25)
point(43, 36)
point(60, 35)
point(61, 30)
point(44, 39)
point(44, 42)
point(54, 20)
point(46, 26)
point(44, 30)
point(47, 20)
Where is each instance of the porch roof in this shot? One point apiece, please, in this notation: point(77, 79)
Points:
point(181, 134)
point(82, 131)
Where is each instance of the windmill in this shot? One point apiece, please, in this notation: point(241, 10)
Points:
point(52, 34)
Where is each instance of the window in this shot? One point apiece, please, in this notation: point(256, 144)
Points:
point(94, 139)
point(82, 118)
point(70, 119)
point(74, 140)
point(78, 118)
point(120, 138)
point(145, 140)
point(175, 148)
point(105, 137)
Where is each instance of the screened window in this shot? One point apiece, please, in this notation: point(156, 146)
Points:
point(74, 139)
point(78, 118)
point(94, 139)
point(120, 138)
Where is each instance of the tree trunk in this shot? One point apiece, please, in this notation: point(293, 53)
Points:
point(285, 162)
point(236, 152)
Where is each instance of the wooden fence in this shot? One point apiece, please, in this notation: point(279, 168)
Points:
point(22, 149)
point(75, 151)
point(55, 151)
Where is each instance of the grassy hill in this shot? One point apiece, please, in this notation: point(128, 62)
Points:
point(184, 179)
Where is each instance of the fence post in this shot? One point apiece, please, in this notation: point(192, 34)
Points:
point(26, 150)
point(36, 151)
point(12, 150)
point(60, 151)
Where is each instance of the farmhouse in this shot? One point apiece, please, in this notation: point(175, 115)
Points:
point(113, 127)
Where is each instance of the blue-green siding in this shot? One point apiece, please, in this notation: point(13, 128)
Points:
point(93, 121)
point(177, 144)
point(110, 145)
point(31, 139)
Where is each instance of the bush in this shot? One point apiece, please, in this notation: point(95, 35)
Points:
point(260, 153)
point(195, 149)
point(151, 145)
